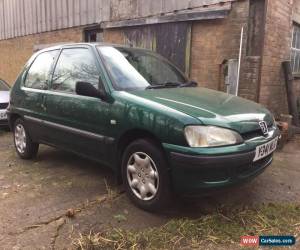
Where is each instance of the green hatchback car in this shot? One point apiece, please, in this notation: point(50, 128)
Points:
point(133, 111)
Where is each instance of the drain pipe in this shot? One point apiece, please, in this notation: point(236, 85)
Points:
point(239, 65)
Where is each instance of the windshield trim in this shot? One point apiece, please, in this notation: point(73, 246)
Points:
point(154, 54)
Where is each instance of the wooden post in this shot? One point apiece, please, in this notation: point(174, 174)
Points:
point(232, 87)
point(292, 103)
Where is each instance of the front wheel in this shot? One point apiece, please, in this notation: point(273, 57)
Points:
point(145, 175)
point(25, 147)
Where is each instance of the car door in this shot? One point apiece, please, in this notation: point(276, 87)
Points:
point(77, 123)
point(32, 96)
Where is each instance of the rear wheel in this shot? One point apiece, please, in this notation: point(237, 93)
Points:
point(25, 147)
point(145, 175)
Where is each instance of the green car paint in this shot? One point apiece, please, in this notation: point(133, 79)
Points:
point(96, 128)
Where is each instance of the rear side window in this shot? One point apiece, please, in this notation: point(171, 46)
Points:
point(37, 75)
point(75, 65)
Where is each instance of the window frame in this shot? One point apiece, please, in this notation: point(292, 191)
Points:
point(33, 60)
point(296, 73)
point(100, 71)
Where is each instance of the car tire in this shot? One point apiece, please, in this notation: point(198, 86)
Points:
point(24, 145)
point(145, 175)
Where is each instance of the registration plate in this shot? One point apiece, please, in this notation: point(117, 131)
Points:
point(265, 149)
point(3, 115)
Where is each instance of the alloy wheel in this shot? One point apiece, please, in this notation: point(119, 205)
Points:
point(142, 176)
point(20, 138)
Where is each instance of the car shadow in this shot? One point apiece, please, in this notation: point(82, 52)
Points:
point(191, 207)
point(49, 157)
point(53, 163)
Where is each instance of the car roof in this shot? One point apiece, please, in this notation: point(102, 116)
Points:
point(66, 45)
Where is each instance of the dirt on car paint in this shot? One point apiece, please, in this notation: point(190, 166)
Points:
point(45, 203)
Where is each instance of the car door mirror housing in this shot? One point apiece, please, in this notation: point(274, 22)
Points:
point(87, 89)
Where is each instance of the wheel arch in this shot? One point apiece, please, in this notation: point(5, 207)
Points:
point(131, 136)
point(12, 119)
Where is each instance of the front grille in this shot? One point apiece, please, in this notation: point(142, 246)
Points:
point(253, 134)
point(256, 133)
point(3, 105)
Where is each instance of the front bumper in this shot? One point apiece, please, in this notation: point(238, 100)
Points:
point(197, 171)
point(193, 174)
point(3, 122)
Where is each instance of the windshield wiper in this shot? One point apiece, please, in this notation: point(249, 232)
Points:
point(189, 84)
point(164, 85)
point(173, 85)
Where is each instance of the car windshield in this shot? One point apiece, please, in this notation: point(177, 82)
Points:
point(133, 69)
point(3, 86)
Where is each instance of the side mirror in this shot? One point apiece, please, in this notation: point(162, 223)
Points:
point(87, 89)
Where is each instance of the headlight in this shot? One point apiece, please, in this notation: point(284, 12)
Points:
point(210, 136)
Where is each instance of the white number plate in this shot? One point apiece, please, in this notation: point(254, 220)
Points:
point(265, 149)
point(3, 115)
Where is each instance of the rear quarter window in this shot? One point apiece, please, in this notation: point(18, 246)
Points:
point(38, 73)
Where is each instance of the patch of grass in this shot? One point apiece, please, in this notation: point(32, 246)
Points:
point(218, 228)
point(111, 193)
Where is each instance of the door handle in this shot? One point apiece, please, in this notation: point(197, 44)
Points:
point(43, 104)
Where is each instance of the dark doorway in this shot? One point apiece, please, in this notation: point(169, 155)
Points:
point(93, 34)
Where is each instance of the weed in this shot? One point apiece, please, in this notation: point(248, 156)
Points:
point(216, 228)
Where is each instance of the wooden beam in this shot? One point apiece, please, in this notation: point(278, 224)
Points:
point(176, 17)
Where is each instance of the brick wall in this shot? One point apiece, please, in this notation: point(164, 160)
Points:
point(115, 36)
point(250, 77)
point(14, 53)
point(278, 33)
point(214, 42)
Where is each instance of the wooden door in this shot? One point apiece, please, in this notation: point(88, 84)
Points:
point(171, 40)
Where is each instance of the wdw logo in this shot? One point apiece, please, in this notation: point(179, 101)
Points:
point(250, 241)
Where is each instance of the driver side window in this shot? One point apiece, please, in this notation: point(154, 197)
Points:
point(74, 65)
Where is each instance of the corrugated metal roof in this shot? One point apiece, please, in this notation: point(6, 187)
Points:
point(24, 17)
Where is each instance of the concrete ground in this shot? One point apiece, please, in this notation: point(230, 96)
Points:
point(45, 203)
